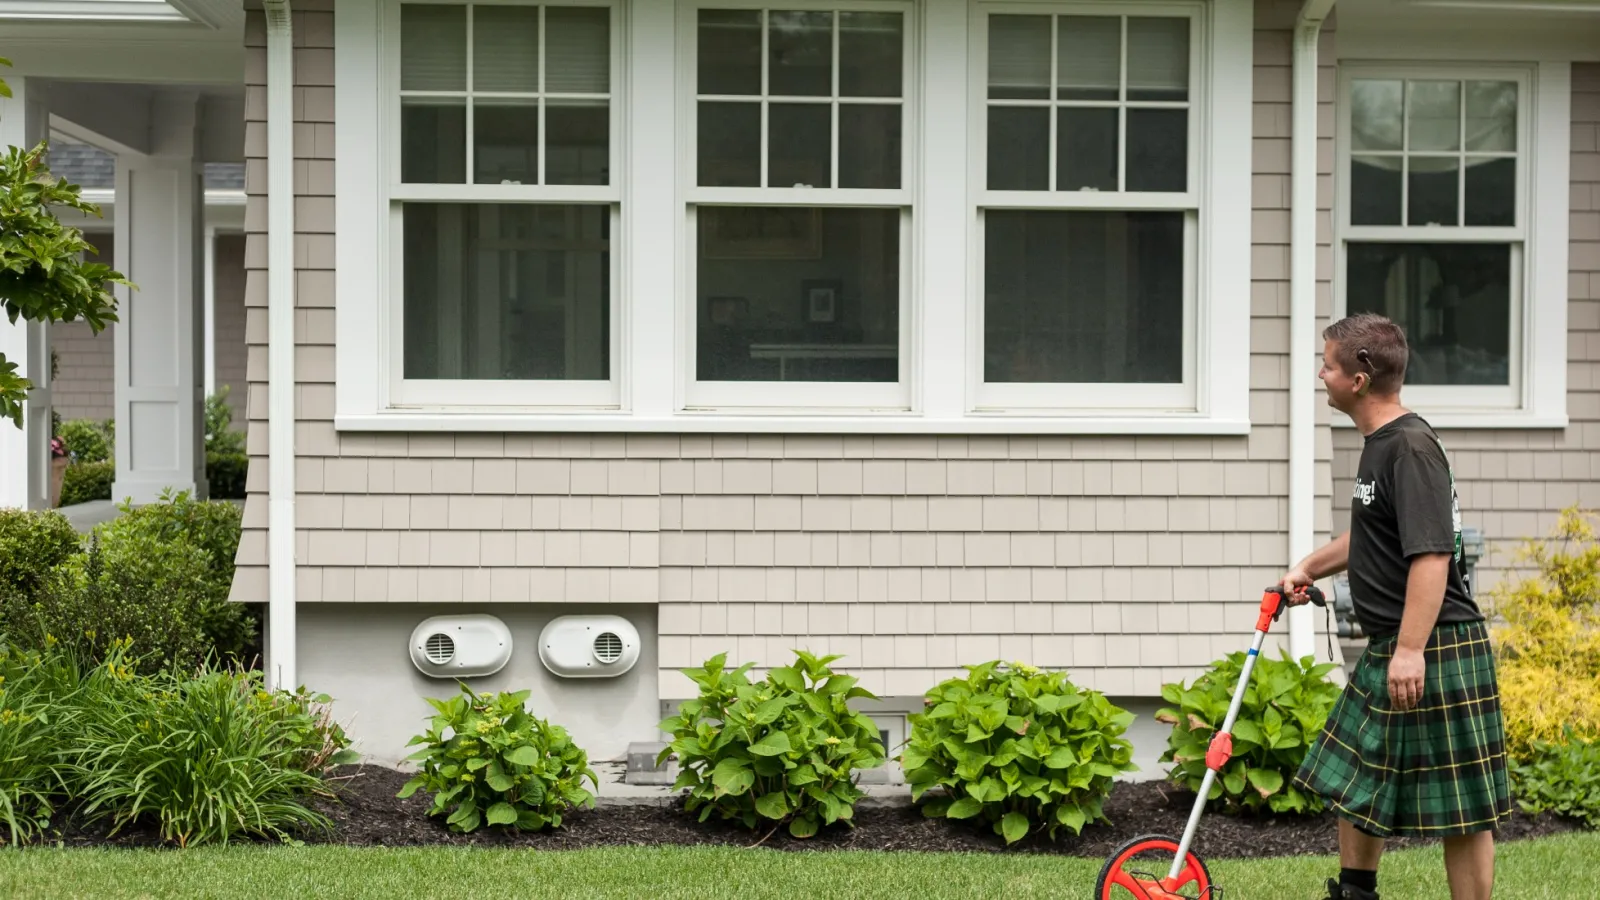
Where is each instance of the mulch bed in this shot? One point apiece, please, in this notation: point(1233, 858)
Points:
point(367, 813)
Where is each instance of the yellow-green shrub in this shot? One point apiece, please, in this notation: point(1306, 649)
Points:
point(1548, 638)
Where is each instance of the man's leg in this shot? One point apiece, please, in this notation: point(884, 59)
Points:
point(1469, 864)
point(1359, 853)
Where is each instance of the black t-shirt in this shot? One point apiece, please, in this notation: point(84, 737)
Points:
point(1404, 504)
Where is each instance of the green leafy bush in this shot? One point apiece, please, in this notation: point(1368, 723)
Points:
point(225, 475)
point(147, 590)
point(206, 757)
point(1284, 707)
point(221, 438)
point(488, 761)
point(783, 750)
point(32, 544)
point(87, 441)
point(211, 527)
point(84, 482)
point(316, 742)
point(1561, 778)
point(1021, 748)
point(37, 706)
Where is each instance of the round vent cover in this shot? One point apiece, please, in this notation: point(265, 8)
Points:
point(440, 648)
point(608, 648)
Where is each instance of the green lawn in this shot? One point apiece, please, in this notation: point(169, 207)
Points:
point(1561, 867)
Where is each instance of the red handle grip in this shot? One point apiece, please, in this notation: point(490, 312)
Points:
point(1275, 598)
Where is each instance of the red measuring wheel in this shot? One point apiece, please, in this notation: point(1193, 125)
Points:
point(1139, 871)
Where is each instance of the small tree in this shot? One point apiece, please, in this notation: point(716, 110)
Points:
point(43, 276)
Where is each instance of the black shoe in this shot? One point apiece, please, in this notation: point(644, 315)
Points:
point(1337, 891)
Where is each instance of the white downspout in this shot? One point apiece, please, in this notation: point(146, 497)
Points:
point(280, 345)
point(1303, 309)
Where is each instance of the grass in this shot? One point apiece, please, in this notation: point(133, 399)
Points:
point(1530, 870)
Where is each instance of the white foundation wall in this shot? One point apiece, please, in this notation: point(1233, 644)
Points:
point(358, 654)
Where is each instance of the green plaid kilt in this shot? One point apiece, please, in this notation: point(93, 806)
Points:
point(1436, 770)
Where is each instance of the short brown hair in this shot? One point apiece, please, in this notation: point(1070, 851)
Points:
point(1372, 344)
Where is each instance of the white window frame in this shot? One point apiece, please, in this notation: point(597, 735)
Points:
point(1536, 395)
point(653, 247)
point(468, 395)
point(1216, 204)
point(805, 398)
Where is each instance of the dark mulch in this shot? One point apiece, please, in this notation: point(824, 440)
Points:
point(367, 813)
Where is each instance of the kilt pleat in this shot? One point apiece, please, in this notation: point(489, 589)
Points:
point(1436, 770)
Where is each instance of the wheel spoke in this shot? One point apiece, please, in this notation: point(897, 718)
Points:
point(1129, 883)
point(1187, 875)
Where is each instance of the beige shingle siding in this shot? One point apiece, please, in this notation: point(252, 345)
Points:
point(1133, 561)
point(87, 384)
point(1514, 483)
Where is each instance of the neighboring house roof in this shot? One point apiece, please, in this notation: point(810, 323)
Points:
point(92, 168)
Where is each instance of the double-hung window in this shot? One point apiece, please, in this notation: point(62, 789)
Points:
point(1089, 198)
point(1434, 226)
point(503, 201)
point(798, 174)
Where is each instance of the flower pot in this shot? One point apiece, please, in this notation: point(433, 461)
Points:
point(58, 471)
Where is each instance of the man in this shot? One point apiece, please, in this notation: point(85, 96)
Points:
point(1414, 745)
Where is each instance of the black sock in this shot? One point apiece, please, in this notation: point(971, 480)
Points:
point(1365, 879)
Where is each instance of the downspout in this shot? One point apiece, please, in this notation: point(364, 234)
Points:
point(1303, 308)
point(280, 345)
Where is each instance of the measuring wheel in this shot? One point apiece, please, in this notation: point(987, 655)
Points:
point(1138, 871)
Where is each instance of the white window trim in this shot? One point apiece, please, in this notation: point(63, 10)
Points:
point(651, 283)
point(1538, 395)
point(1214, 381)
point(798, 398)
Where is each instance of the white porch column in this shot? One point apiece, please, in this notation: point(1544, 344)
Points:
point(25, 452)
point(211, 308)
point(160, 346)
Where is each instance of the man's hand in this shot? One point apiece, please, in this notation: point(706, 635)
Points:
point(1294, 584)
point(1406, 669)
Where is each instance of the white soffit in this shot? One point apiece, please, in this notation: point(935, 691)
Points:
point(212, 14)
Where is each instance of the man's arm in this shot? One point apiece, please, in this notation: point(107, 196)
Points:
point(1423, 502)
point(1329, 559)
point(1424, 596)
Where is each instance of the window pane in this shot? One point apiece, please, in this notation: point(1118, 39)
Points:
point(1086, 145)
point(1089, 63)
point(1375, 190)
point(433, 48)
point(1434, 185)
point(798, 294)
point(505, 141)
point(1491, 191)
point(579, 50)
point(1083, 297)
point(579, 144)
point(730, 144)
point(869, 146)
point(800, 54)
point(1019, 57)
point(1158, 150)
point(1019, 149)
point(1158, 59)
point(730, 51)
point(1491, 116)
point(433, 141)
point(1434, 115)
point(871, 54)
point(1453, 300)
point(1375, 115)
point(800, 145)
point(507, 291)
point(505, 48)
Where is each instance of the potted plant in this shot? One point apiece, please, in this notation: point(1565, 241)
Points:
point(58, 469)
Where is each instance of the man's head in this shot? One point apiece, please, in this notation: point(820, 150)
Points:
point(1363, 356)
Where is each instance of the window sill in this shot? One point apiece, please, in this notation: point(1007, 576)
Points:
point(1495, 420)
point(877, 423)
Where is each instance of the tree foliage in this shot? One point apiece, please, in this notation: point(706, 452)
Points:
point(44, 276)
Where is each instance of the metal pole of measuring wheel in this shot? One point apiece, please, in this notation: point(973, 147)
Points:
point(1221, 749)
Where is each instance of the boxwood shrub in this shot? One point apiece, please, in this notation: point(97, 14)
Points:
point(32, 543)
point(782, 750)
point(1018, 747)
point(1284, 708)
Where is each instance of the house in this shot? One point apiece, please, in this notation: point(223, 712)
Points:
point(590, 339)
